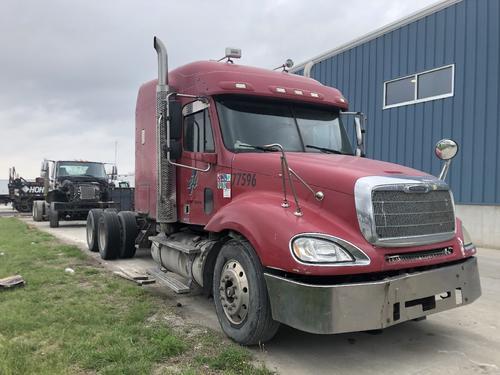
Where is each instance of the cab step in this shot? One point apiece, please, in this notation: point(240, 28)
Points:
point(169, 280)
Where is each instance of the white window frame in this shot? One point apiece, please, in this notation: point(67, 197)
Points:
point(415, 77)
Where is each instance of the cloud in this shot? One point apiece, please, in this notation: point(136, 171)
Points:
point(69, 71)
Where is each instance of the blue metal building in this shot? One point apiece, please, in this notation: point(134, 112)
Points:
point(432, 75)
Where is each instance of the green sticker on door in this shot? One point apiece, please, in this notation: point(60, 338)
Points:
point(224, 184)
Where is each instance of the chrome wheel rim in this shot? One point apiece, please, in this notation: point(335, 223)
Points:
point(234, 291)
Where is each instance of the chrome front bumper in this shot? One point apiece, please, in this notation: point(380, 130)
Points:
point(366, 306)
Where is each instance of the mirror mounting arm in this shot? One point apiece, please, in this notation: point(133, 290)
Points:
point(168, 148)
point(359, 123)
point(444, 170)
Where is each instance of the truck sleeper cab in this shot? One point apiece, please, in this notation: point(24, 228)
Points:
point(247, 185)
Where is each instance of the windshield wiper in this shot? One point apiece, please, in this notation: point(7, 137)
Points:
point(260, 148)
point(327, 150)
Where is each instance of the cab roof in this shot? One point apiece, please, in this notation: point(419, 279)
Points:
point(214, 78)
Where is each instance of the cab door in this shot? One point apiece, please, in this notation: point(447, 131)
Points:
point(197, 187)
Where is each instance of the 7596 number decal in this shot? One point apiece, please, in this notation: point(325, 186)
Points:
point(245, 179)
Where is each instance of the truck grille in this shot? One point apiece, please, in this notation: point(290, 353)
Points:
point(87, 192)
point(402, 214)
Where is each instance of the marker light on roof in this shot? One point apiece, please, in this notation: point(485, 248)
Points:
point(240, 85)
point(298, 92)
point(280, 89)
point(315, 95)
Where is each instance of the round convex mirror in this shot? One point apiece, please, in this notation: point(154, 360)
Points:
point(446, 149)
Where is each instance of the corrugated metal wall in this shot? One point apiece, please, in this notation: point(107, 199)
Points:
point(466, 34)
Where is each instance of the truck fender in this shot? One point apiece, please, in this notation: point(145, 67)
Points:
point(263, 222)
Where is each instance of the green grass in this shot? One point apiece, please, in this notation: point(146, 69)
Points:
point(92, 322)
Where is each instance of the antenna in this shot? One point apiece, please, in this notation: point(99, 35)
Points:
point(116, 150)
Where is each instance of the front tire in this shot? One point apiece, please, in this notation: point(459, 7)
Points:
point(92, 228)
point(53, 218)
point(38, 210)
point(109, 235)
point(240, 295)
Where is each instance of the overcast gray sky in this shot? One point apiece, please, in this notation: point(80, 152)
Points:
point(70, 70)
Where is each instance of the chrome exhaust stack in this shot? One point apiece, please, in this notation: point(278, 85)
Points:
point(166, 204)
point(162, 64)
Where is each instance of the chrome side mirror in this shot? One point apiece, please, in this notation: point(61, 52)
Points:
point(359, 136)
point(359, 127)
point(446, 149)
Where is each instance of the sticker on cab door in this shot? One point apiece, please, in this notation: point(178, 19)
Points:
point(192, 182)
point(224, 184)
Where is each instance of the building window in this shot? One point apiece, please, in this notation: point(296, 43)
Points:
point(421, 87)
point(400, 91)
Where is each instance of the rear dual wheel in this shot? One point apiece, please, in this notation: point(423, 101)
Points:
point(112, 234)
point(92, 227)
point(108, 235)
point(128, 233)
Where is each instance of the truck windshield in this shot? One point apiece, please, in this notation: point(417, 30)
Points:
point(297, 127)
point(80, 169)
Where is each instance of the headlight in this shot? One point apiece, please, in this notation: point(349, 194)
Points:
point(315, 250)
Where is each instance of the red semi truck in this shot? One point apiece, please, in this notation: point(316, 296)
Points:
point(247, 186)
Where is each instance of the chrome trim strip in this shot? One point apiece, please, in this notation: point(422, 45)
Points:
point(364, 208)
point(360, 258)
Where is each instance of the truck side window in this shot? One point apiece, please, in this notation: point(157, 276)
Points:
point(198, 135)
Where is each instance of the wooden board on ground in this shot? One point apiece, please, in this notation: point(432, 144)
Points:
point(11, 282)
point(135, 274)
point(140, 281)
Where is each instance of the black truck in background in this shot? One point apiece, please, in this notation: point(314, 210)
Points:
point(71, 189)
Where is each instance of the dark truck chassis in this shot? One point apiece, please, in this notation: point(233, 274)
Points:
point(71, 211)
point(22, 193)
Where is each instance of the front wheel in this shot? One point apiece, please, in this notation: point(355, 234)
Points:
point(38, 210)
point(240, 295)
point(53, 218)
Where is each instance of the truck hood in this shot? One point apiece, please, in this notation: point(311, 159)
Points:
point(328, 171)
